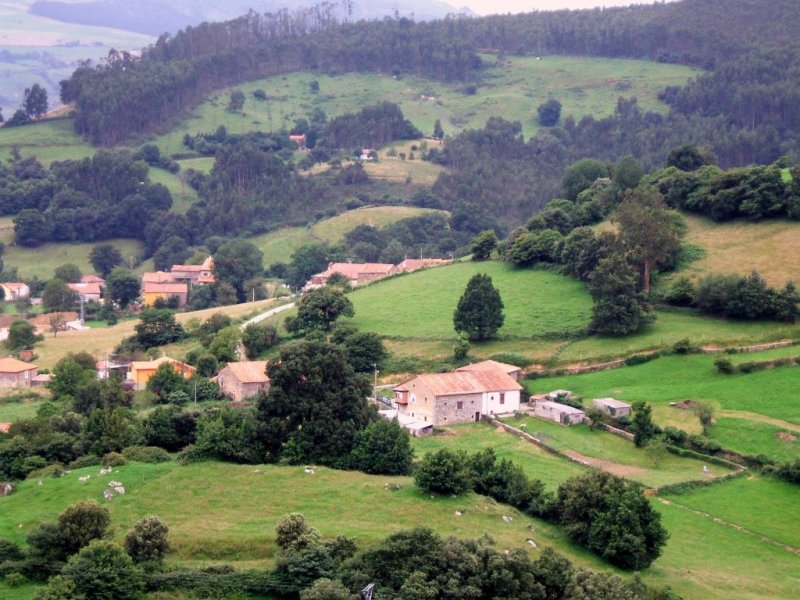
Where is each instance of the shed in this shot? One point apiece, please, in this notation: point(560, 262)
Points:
point(612, 407)
point(560, 413)
point(559, 394)
point(242, 380)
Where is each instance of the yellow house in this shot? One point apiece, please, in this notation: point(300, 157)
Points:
point(141, 371)
point(164, 291)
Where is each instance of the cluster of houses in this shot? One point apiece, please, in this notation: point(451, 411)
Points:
point(362, 273)
point(176, 283)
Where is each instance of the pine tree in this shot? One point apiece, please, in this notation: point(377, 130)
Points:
point(480, 310)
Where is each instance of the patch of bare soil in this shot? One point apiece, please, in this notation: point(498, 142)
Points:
point(604, 465)
point(786, 437)
point(684, 404)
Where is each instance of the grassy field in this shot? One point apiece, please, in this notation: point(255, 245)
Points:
point(770, 247)
point(279, 245)
point(422, 304)
point(183, 196)
point(613, 453)
point(741, 501)
point(752, 408)
point(585, 86)
point(48, 141)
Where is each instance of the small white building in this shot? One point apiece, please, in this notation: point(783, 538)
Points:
point(414, 427)
point(612, 407)
point(556, 395)
point(560, 413)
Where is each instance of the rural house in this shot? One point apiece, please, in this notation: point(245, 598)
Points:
point(141, 371)
point(87, 291)
point(560, 413)
point(93, 279)
point(612, 407)
point(195, 274)
point(415, 264)
point(457, 397)
point(242, 380)
point(492, 365)
point(16, 373)
point(356, 273)
point(14, 290)
point(151, 292)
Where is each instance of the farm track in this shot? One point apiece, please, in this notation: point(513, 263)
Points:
point(751, 416)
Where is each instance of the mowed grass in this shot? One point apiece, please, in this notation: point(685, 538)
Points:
point(421, 304)
point(585, 86)
point(183, 195)
point(475, 437)
point(752, 437)
point(770, 247)
point(763, 505)
point(17, 411)
point(643, 465)
point(279, 245)
point(47, 141)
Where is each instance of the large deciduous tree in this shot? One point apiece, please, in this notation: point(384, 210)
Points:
point(35, 101)
point(316, 405)
point(649, 229)
point(619, 306)
point(480, 310)
point(122, 287)
point(319, 309)
point(236, 262)
point(104, 257)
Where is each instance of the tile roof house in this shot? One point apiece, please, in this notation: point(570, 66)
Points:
point(356, 273)
point(415, 264)
point(493, 365)
point(242, 380)
point(87, 291)
point(157, 277)
point(16, 373)
point(14, 290)
point(140, 372)
point(196, 274)
point(164, 291)
point(93, 279)
point(458, 397)
point(44, 322)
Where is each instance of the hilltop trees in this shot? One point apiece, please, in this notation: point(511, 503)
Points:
point(480, 310)
point(35, 101)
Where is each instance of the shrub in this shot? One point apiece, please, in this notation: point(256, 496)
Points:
point(147, 541)
point(146, 454)
point(443, 472)
point(14, 580)
point(9, 551)
point(113, 459)
point(640, 359)
point(683, 346)
point(675, 436)
point(724, 365)
point(104, 570)
point(383, 448)
point(88, 460)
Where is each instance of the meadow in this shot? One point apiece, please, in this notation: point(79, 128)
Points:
point(279, 245)
point(585, 86)
point(537, 303)
point(751, 408)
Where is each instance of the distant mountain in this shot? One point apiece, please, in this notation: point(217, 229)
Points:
point(154, 17)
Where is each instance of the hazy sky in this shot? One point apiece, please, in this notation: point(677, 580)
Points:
point(484, 7)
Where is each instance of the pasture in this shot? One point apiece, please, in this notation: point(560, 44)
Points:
point(585, 86)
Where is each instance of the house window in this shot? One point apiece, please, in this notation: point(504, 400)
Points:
point(502, 398)
point(426, 419)
point(459, 405)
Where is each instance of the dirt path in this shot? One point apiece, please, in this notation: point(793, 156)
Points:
point(743, 414)
point(604, 465)
point(738, 528)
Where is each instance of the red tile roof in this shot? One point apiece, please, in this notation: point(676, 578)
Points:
point(414, 264)
point(353, 270)
point(93, 279)
point(253, 371)
point(165, 288)
point(448, 384)
point(12, 365)
point(490, 365)
point(4, 427)
point(157, 277)
point(85, 288)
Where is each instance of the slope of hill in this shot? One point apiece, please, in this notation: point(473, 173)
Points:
point(154, 17)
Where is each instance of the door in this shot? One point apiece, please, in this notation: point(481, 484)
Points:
point(477, 417)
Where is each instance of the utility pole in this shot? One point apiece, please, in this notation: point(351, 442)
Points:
point(375, 386)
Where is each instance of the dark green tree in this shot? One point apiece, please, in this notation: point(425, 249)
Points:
point(383, 448)
point(316, 405)
point(236, 101)
point(257, 338)
point(443, 472)
point(438, 132)
point(365, 349)
point(34, 102)
point(236, 262)
point(68, 273)
point(581, 175)
point(103, 570)
point(483, 245)
point(104, 257)
point(69, 376)
point(122, 287)
point(58, 297)
point(619, 306)
point(147, 542)
point(165, 381)
point(22, 336)
point(642, 424)
point(31, 227)
point(82, 523)
point(157, 327)
point(627, 173)
point(549, 113)
point(320, 308)
point(480, 309)
point(689, 158)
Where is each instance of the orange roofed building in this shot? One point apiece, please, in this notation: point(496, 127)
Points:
point(16, 373)
point(242, 380)
point(458, 397)
point(493, 365)
point(141, 371)
point(415, 264)
point(196, 274)
point(356, 273)
point(164, 291)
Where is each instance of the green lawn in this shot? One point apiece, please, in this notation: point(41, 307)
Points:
point(183, 195)
point(474, 437)
point(752, 437)
point(16, 411)
point(48, 141)
point(649, 467)
point(763, 505)
point(421, 305)
point(585, 86)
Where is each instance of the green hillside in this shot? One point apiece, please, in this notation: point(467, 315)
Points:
point(584, 86)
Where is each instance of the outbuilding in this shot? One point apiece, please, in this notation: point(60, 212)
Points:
point(612, 407)
point(560, 413)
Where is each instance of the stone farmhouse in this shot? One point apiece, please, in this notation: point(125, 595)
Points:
point(458, 397)
point(162, 285)
point(242, 380)
point(612, 407)
point(16, 373)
